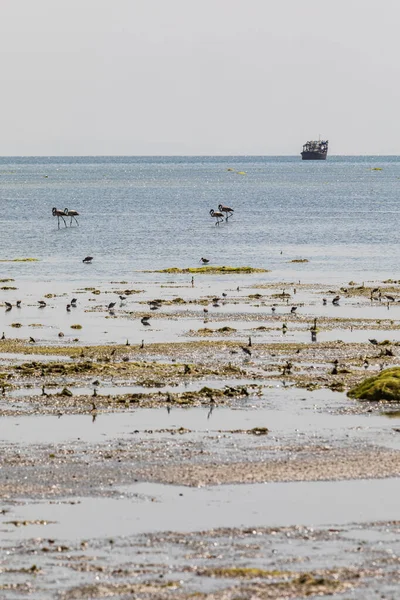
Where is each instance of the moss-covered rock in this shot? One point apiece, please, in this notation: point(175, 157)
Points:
point(382, 387)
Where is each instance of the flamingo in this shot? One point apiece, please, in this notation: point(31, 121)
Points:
point(59, 213)
point(227, 210)
point(217, 215)
point(73, 214)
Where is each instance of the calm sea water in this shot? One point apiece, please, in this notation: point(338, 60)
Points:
point(141, 213)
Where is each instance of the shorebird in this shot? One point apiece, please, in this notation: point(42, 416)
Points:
point(324, 301)
point(246, 350)
point(205, 261)
point(73, 214)
point(3, 337)
point(122, 298)
point(217, 215)
point(287, 368)
point(145, 320)
point(390, 298)
point(68, 308)
point(111, 305)
point(8, 306)
point(373, 341)
point(225, 209)
point(249, 344)
point(335, 301)
point(88, 259)
point(293, 309)
point(32, 340)
point(18, 304)
point(42, 303)
point(73, 302)
point(59, 213)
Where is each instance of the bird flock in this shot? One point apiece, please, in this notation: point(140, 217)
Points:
point(221, 213)
point(60, 214)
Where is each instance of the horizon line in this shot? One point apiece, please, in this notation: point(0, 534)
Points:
point(179, 155)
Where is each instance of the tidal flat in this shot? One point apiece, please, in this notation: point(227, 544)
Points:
point(196, 439)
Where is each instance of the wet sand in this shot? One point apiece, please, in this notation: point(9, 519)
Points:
point(187, 401)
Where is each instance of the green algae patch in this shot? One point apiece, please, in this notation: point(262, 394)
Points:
point(8, 287)
point(254, 431)
point(77, 326)
point(205, 331)
point(243, 573)
point(299, 260)
point(19, 260)
point(212, 270)
point(383, 387)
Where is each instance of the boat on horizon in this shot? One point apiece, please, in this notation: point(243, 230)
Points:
point(315, 150)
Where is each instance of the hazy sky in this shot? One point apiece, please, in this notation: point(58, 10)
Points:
point(144, 77)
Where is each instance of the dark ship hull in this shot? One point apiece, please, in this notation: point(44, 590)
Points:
point(315, 150)
point(313, 155)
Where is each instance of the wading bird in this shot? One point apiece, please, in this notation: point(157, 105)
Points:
point(73, 214)
point(246, 350)
point(225, 209)
point(59, 213)
point(217, 215)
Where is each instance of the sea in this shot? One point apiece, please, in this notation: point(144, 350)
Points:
point(140, 214)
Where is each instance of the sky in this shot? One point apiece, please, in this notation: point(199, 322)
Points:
point(198, 77)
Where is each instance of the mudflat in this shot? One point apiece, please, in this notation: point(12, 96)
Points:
point(141, 443)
